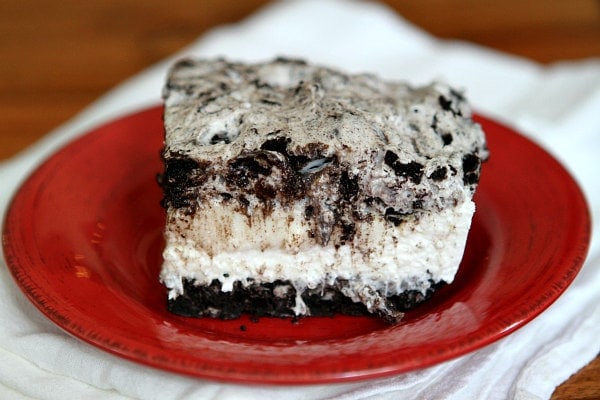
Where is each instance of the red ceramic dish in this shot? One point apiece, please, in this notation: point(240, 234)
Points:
point(83, 240)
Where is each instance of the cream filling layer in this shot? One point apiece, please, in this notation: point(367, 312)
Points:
point(220, 242)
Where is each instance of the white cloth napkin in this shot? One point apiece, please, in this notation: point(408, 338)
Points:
point(556, 105)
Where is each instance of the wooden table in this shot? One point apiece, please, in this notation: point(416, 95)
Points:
point(57, 57)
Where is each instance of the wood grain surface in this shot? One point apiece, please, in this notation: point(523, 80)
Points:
point(58, 57)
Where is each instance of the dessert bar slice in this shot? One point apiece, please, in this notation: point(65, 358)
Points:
point(293, 189)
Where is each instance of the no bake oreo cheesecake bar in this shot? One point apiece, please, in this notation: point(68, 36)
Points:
point(293, 189)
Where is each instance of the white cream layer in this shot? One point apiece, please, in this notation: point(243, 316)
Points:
point(383, 257)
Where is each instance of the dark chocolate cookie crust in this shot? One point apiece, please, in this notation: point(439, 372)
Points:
point(278, 299)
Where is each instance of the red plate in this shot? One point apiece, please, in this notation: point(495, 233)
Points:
point(83, 240)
